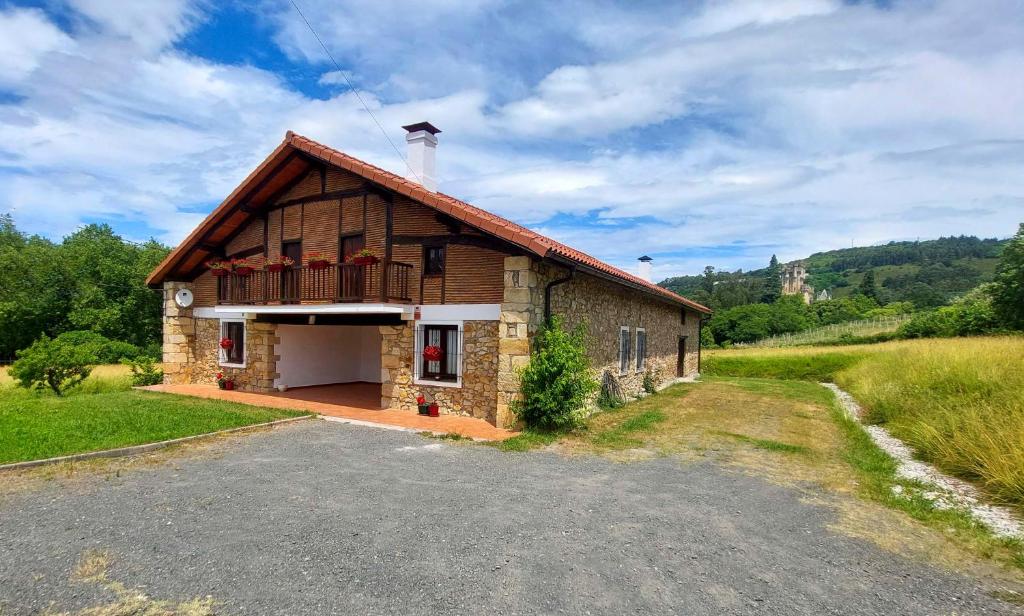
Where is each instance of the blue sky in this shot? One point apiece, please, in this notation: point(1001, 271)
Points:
point(696, 132)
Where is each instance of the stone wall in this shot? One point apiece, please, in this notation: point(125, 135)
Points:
point(192, 352)
point(475, 398)
point(604, 307)
point(522, 311)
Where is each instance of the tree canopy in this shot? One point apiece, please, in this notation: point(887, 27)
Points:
point(93, 280)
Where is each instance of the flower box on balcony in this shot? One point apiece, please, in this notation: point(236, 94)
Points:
point(218, 268)
point(316, 261)
point(280, 264)
point(365, 260)
point(242, 267)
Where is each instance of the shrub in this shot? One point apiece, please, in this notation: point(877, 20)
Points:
point(144, 371)
point(969, 315)
point(102, 349)
point(52, 363)
point(557, 383)
point(650, 384)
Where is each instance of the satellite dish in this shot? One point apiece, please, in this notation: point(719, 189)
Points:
point(183, 298)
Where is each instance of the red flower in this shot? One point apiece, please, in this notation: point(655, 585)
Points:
point(226, 343)
point(433, 353)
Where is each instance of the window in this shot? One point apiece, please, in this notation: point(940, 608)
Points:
point(682, 316)
point(433, 260)
point(623, 350)
point(448, 369)
point(641, 349)
point(351, 244)
point(292, 250)
point(235, 354)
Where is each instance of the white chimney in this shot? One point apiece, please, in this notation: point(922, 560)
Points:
point(644, 270)
point(422, 141)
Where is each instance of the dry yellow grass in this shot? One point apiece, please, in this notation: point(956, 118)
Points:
point(959, 402)
point(106, 372)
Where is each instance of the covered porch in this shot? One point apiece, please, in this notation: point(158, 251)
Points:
point(352, 402)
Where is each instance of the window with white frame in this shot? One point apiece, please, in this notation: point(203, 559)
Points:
point(623, 349)
point(232, 342)
point(438, 359)
point(641, 349)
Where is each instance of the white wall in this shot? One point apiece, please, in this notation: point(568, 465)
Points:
point(322, 354)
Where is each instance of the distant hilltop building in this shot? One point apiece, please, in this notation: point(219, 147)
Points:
point(794, 281)
point(824, 296)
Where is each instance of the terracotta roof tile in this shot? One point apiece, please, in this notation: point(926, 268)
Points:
point(486, 221)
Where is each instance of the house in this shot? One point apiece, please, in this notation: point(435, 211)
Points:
point(442, 274)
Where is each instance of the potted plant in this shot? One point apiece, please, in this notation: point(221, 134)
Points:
point(316, 260)
point(421, 404)
point(224, 382)
point(433, 353)
point(219, 268)
point(242, 267)
point(433, 410)
point(279, 264)
point(364, 257)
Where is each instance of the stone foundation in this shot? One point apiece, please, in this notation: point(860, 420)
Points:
point(192, 353)
point(476, 397)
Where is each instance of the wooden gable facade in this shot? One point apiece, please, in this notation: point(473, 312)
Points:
point(328, 208)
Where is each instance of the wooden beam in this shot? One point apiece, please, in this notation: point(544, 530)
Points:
point(453, 225)
point(479, 241)
point(327, 196)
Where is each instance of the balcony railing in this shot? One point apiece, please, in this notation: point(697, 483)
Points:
point(384, 281)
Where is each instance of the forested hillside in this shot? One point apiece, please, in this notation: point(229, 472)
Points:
point(92, 280)
point(927, 274)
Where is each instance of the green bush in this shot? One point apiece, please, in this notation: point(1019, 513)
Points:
point(557, 383)
point(969, 315)
point(650, 385)
point(52, 363)
point(102, 349)
point(144, 371)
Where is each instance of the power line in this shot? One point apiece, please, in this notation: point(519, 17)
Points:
point(354, 91)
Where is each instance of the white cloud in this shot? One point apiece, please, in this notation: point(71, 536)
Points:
point(151, 24)
point(726, 128)
point(25, 36)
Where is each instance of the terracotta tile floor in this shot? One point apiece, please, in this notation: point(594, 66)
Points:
point(354, 401)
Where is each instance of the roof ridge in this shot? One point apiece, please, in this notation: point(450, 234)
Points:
point(499, 222)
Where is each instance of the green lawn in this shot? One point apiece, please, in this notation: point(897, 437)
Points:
point(41, 425)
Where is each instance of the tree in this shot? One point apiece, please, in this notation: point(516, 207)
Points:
point(35, 288)
point(556, 384)
point(51, 363)
point(773, 282)
point(93, 280)
point(867, 285)
point(708, 283)
point(1008, 291)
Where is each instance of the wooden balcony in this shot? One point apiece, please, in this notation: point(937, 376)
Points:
point(384, 282)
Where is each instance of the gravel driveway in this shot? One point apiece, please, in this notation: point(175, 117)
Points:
point(325, 518)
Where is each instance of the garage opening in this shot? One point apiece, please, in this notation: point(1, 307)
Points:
point(335, 364)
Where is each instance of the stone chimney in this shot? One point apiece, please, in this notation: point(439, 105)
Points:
point(422, 140)
point(644, 270)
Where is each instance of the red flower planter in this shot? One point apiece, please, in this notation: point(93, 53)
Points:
point(319, 265)
point(434, 410)
point(433, 353)
point(229, 385)
point(365, 260)
point(243, 271)
point(219, 273)
point(275, 267)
